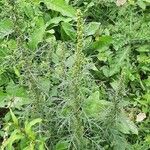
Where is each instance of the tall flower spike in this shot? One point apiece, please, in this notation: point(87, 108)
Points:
point(77, 125)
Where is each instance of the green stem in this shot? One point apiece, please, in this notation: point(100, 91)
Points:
point(77, 124)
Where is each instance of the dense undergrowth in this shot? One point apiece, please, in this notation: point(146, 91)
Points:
point(74, 74)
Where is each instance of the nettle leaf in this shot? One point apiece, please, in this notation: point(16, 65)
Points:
point(69, 31)
point(93, 105)
point(6, 27)
point(91, 28)
point(61, 6)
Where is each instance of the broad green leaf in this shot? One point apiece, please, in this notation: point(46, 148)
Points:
point(91, 28)
point(16, 96)
point(57, 20)
point(36, 37)
point(126, 126)
point(60, 6)
point(142, 4)
point(101, 42)
point(69, 31)
point(93, 105)
point(6, 27)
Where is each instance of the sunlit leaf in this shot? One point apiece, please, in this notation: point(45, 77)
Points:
point(6, 27)
point(60, 6)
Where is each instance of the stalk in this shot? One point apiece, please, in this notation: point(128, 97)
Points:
point(77, 125)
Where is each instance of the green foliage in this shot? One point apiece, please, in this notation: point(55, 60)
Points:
point(22, 138)
point(61, 6)
point(86, 75)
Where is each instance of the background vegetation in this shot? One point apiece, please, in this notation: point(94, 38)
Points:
point(74, 74)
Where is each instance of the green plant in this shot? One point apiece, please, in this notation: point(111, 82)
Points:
point(18, 137)
point(86, 76)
